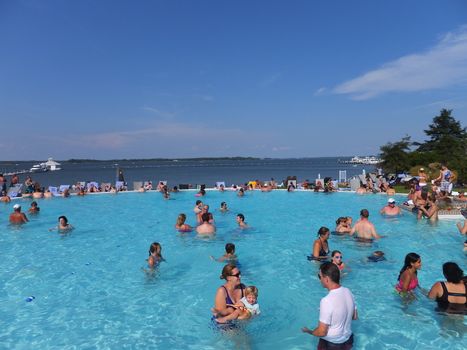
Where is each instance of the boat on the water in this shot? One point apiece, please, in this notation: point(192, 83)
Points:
point(50, 165)
point(363, 160)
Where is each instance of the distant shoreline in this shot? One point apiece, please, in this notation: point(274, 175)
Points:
point(89, 160)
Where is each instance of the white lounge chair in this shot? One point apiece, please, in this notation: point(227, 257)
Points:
point(219, 183)
point(137, 185)
point(15, 190)
point(120, 185)
point(63, 188)
point(54, 191)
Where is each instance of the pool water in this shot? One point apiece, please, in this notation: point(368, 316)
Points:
point(91, 290)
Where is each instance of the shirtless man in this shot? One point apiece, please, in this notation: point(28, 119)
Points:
point(241, 221)
point(5, 197)
point(364, 228)
point(17, 217)
point(391, 209)
point(206, 228)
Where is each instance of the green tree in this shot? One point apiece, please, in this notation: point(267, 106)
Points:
point(395, 156)
point(447, 142)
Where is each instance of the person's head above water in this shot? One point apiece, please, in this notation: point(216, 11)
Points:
point(364, 213)
point(323, 231)
point(155, 248)
point(453, 272)
point(241, 217)
point(228, 271)
point(230, 248)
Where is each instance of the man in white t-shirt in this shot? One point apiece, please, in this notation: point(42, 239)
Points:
point(336, 312)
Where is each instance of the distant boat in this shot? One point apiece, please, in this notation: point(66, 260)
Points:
point(363, 160)
point(50, 165)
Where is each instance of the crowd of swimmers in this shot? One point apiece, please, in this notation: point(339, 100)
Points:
point(235, 301)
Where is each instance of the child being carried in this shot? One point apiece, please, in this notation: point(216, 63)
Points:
point(245, 308)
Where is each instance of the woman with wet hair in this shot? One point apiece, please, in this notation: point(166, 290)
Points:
point(451, 295)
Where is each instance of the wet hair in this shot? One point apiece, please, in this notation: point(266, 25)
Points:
point(205, 217)
point(330, 270)
point(181, 219)
point(198, 202)
point(241, 216)
point(452, 272)
point(175, 188)
point(227, 271)
point(222, 204)
point(364, 213)
point(154, 247)
point(34, 204)
point(230, 248)
point(410, 259)
point(341, 219)
point(334, 252)
point(64, 218)
point(378, 253)
point(322, 231)
point(251, 290)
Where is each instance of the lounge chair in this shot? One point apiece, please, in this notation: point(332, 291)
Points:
point(137, 185)
point(362, 179)
point(54, 191)
point(120, 185)
point(15, 191)
point(63, 188)
point(219, 183)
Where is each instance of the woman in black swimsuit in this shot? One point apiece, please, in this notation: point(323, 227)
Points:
point(451, 295)
point(320, 246)
point(229, 293)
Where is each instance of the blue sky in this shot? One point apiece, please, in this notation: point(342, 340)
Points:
point(148, 79)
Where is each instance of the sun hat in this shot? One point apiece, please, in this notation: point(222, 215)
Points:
point(391, 200)
point(16, 206)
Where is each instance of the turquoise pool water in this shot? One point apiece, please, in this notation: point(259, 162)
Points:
point(90, 290)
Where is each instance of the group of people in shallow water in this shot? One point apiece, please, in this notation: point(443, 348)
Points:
point(17, 217)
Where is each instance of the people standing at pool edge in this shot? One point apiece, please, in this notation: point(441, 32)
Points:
point(407, 280)
point(320, 245)
point(336, 311)
point(364, 229)
point(17, 217)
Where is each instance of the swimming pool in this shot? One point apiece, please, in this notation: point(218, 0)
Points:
point(90, 290)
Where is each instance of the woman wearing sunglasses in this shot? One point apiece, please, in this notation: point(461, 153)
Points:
point(229, 293)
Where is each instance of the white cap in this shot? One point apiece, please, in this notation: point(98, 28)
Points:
point(16, 206)
point(391, 200)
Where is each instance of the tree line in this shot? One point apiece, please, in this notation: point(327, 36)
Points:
point(446, 144)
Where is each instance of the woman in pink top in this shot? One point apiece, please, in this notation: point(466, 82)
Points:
point(408, 280)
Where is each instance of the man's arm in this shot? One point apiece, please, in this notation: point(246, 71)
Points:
point(320, 331)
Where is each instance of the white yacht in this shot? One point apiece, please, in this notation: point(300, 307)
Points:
point(50, 165)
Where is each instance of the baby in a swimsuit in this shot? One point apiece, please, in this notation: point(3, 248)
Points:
point(245, 308)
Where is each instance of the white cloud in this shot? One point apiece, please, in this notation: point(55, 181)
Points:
point(443, 65)
point(320, 91)
point(158, 112)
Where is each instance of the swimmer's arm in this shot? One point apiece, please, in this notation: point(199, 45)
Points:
point(320, 331)
point(352, 231)
point(355, 314)
point(151, 261)
point(435, 291)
